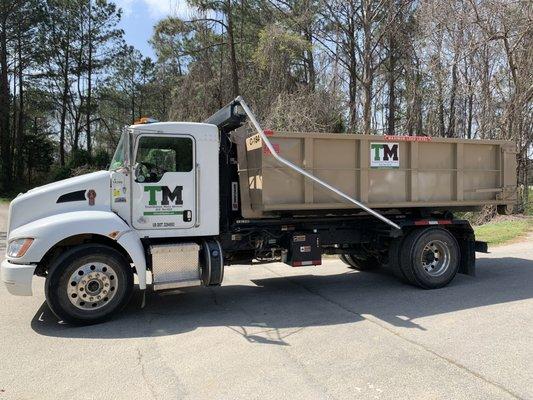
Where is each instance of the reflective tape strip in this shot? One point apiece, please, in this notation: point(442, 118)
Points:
point(306, 263)
point(433, 222)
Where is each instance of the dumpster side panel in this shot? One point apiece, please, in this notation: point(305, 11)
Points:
point(340, 170)
point(436, 175)
point(284, 185)
point(450, 173)
point(481, 172)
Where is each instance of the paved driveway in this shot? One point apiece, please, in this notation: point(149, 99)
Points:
point(272, 332)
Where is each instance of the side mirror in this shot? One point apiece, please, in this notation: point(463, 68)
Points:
point(138, 173)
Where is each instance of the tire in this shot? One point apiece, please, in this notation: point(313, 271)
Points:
point(342, 257)
point(359, 264)
point(429, 258)
point(88, 284)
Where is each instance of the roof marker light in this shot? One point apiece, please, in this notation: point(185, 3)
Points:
point(145, 120)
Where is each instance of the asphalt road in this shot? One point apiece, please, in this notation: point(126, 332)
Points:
point(272, 332)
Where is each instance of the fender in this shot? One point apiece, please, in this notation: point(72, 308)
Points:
point(49, 231)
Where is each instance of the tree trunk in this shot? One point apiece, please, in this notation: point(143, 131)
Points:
point(469, 99)
point(367, 69)
point(5, 134)
point(451, 122)
point(440, 112)
point(20, 128)
point(310, 61)
point(89, 81)
point(132, 104)
point(352, 84)
point(392, 83)
point(77, 111)
point(485, 118)
point(64, 101)
point(233, 56)
point(14, 107)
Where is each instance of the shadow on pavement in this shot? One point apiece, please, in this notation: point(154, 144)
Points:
point(295, 302)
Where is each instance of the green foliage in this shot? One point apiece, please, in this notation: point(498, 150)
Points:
point(81, 162)
point(59, 173)
point(78, 158)
point(101, 159)
point(279, 48)
point(306, 111)
point(500, 232)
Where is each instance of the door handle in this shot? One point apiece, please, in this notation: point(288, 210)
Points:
point(197, 191)
point(187, 216)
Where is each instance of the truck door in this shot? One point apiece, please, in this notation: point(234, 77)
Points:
point(164, 182)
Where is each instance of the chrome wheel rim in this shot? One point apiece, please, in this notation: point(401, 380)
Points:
point(92, 286)
point(435, 258)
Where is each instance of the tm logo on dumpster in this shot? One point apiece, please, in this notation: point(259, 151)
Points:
point(384, 155)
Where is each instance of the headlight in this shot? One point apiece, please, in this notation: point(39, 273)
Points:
point(18, 247)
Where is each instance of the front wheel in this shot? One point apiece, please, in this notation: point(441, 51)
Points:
point(429, 258)
point(88, 283)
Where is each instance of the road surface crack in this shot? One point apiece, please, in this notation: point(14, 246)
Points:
point(144, 374)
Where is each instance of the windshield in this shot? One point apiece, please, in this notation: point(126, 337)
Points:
point(119, 159)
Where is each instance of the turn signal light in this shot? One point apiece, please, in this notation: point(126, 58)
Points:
point(18, 247)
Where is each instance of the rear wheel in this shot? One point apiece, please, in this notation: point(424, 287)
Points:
point(88, 284)
point(359, 263)
point(429, 258)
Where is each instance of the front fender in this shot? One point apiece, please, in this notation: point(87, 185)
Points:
point(49, 231)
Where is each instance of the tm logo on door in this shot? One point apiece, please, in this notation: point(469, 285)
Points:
point(163, 201)
point(384, 155)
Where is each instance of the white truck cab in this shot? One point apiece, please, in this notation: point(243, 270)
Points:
point(162, 183)
point(162, 179)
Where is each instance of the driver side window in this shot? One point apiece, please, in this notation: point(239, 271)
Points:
point(157, 155)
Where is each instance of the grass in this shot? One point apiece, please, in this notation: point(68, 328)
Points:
point(505, 229)
point(495, 233)
point(4, 200)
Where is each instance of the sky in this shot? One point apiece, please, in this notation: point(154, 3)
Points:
point(140, 16)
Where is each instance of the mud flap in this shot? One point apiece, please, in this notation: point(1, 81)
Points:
point(482, 247)
point(468, 256)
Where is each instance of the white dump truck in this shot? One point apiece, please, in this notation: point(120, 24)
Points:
point(183, 200)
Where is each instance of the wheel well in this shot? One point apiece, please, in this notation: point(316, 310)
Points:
point(67, 243)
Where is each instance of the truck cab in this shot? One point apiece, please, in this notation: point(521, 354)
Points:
point(164, 179)
point(162, 185)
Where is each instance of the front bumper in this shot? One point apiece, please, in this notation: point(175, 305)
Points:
point(17, 278)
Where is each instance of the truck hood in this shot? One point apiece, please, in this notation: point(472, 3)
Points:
point(85, 192)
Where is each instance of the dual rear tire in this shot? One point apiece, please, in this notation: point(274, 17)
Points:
point(428, 258)
point(359, 263)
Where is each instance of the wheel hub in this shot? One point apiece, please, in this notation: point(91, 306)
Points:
point(435, 258)
point(92, 286)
